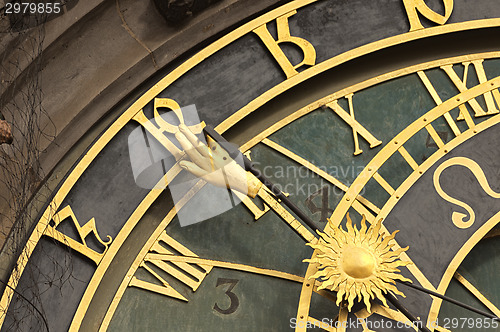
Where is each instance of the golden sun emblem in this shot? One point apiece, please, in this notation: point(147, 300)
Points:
point(357, 263)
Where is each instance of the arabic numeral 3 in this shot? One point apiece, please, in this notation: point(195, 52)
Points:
point(235, 302)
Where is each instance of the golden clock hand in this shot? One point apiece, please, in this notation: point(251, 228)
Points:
point(213, 164)
point(225, 265)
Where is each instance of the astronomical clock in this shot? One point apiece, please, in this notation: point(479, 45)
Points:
point(369, 138)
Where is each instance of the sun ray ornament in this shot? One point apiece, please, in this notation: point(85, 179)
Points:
point(357, 263)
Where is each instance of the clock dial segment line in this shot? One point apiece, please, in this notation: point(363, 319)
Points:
point(305, 296)
point(226, 265)
point(434, 135)
point(343, 314)
point(315, 169)
point(408, 158)
point(383, 183)
point(474, 291)
point(384, 312)
point(320, 324)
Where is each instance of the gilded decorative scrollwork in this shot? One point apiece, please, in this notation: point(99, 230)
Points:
point(458, 217)
point(83, 232)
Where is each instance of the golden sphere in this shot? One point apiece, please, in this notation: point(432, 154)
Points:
point(358, 262)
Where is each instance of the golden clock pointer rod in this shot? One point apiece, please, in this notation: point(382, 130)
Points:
point(248, 165)
point(449, 299)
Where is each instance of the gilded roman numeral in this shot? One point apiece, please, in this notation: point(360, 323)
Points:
point(407, 157)
point(414, 7)
point(83, 232)
point(161, 127)
point(189, 274)
point(435, 136)
point(461, 84)
point(357, 128)
point(438, 101)
point(285, 37)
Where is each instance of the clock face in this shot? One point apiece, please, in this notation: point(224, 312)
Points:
point(381, 132)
